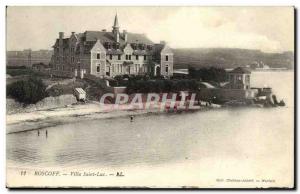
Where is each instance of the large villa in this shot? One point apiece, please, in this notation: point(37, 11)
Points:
point(110, 53)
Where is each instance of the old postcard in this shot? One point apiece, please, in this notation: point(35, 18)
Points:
point(150, 97)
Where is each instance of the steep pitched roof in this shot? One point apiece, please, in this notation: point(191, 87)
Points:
point(157, 48)
point(109, 37)
point(114, 52)
point(166, 49)
point(98, 46)
point(138, 38)
point(141, 52)
point(79, 35)
point(55, 44)
point(240, 70)
point(66, 43)
point(95, 35)
point(116, 22)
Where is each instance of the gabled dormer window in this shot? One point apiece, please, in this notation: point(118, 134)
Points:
point(142, 46)
point(108, 45)
point(133, 46)
point(167, 58)
point(98, 55)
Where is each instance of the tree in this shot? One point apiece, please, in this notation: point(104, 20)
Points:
point(211, 74)
point(27, 91)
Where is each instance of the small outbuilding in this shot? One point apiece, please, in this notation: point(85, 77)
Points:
point(239, 78)
point(80, 94)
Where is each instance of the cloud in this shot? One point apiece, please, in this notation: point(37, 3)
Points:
point(209, 27)
point(270, 29)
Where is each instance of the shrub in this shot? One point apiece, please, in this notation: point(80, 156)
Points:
point(157, 86)
point(26, 71)
point(211, 74)
point(16, 67)
point(27, 91)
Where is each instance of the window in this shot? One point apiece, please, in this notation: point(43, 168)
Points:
point(128, 57)
point(167, 58)
point(98, 55)
point(110, 57)
point(145, 57)
point(167, 68)
point(98, 68)
point(239, 77)
point(136, 57)
point(248, 78)
point(119, 57)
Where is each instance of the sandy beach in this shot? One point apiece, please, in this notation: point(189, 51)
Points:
point(19, 122)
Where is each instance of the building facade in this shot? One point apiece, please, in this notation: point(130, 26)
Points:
point(108, 54)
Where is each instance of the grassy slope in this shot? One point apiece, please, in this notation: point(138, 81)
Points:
point(229, 58)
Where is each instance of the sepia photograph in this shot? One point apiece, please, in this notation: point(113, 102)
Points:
point(150, 97)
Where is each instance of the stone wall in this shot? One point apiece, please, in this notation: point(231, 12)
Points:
point(226, 94)
point(59, 73)
point(13, 106)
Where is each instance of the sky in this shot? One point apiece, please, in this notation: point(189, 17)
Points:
point(270, 29)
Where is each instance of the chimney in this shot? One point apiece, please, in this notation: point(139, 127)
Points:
point(73, 33)
point(61, 35)
point(60, 46)
point(125, 35)
point(162, 42)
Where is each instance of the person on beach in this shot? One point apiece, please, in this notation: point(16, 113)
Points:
point(46, 133)
point(38, 132)
point(131, 118)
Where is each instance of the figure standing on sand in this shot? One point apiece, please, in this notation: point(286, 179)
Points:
point(38, 133)
point(131, 118)
point(46, 133)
